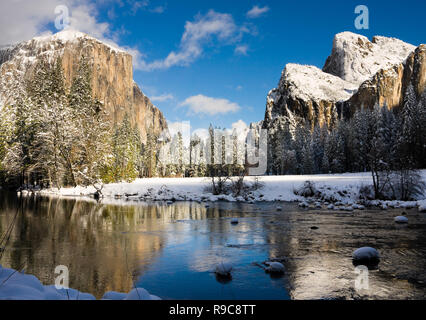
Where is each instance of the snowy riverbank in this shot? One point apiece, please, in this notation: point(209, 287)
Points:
point(15, 285)
point(341, 190)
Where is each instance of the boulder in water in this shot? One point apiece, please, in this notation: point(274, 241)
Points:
point(223, 269)
point(401, 219)
point(275, 267)
point(366, 256)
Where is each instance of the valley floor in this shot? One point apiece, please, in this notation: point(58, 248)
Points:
point(341, 190)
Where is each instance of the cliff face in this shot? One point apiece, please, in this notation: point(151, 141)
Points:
point(388, 86)
point(306, 92)
point(358, 73)
point(112, 75)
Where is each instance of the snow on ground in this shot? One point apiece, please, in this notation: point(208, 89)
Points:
point(340, 189)
point(15, 285)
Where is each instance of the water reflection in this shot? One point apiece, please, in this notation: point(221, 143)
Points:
point(171, 249)
point(161, 247)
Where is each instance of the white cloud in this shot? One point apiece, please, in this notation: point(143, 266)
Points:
point(197, 34)
point(241, 50)
point(162, 98)
point(22, 20)
point(257, 11)
point(201, 104)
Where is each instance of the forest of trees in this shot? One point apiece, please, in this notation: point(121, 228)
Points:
point(52, 136)
point(371, 138)
point(385, 142)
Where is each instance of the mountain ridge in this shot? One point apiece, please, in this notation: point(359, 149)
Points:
point(354, 63)
point(112, 75)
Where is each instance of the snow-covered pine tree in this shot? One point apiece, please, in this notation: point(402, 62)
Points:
point(93, 145)
point(413, 127)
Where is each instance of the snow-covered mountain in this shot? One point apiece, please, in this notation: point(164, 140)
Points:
point(358, 73)
point(112, 74)
point(356, 59)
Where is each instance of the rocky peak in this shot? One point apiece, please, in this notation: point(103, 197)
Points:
point(112, 74)
point(307, 92)
point(359, 72)
point(355, 58)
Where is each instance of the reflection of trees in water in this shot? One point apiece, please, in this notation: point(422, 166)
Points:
point(90, 238)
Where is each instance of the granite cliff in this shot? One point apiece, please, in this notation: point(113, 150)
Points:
point(111, 75)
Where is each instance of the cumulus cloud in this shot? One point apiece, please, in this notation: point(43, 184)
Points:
point(23, 20)
point(198, 33)
point(257, 11)
point(162, 98)
point(201, 104)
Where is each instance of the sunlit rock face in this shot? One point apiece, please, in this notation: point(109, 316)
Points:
point(358, 73)
point(112, 75)
point(388, 86)
point(355, 58)
point(306, 92)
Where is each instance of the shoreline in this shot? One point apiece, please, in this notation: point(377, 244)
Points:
point(336, 190)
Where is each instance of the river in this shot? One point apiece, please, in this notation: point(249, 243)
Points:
point(171, 249)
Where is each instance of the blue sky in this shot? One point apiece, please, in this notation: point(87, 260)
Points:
point(213, 61)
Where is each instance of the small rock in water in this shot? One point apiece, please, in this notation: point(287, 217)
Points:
point(223, 269)
point(366, 256)
point(234, 221)
point(330, 207)
point(314, 228)
point(275, 267)
point(279, 208)
point(303, 204)
point(401, 219)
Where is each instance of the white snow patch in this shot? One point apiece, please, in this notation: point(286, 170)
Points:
point(356, 59)
point(223, 269)
point(401, 219)
point(311, 83)
point(15, 285)
point(275, 267)
point(342, 189)
point(422, 205)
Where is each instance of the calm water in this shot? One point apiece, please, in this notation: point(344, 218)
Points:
point(170, 250)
